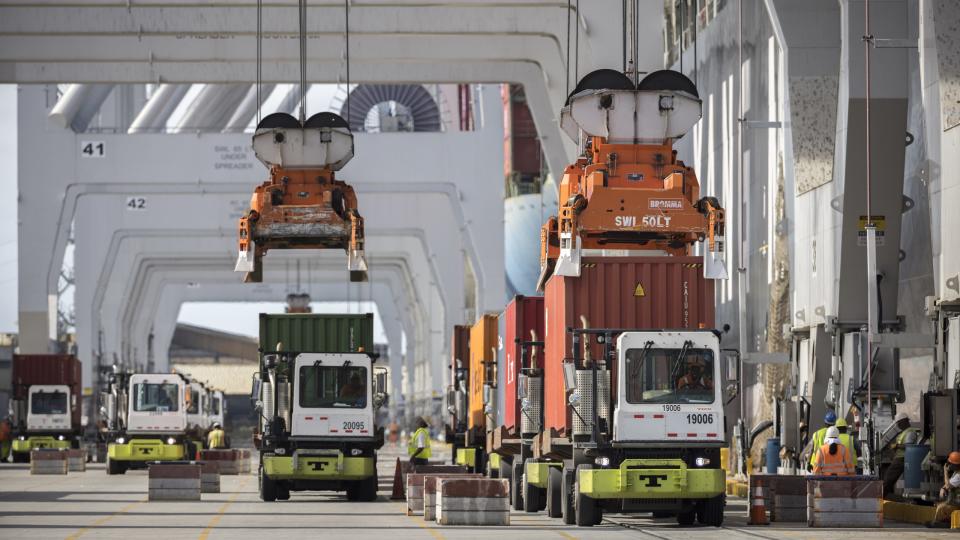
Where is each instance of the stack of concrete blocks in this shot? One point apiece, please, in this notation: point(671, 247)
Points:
point(786, 497)
point(228, 459)
point(844, 501)
point(413, 483)
point(244, 461)
point(473, 501)
point(174, 482)
point(430, 492)
point(406, 469)
point(76, 460)
point(48, 462)
point(209, 477)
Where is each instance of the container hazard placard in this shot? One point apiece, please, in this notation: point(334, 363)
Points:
point(879, 223)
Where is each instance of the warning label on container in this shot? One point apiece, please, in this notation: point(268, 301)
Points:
point(879, 223)
point(638, 291)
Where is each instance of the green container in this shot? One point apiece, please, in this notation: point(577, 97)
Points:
point(312, 333)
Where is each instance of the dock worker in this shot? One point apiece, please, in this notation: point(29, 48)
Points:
point(847, 439)
point(419, 446)
point(216, 438)
point(949, 493)
point(892, 472)
point(695, 378)
point(819, 435)
point(833, 458)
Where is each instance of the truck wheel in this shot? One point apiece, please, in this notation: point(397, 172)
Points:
point(283, 491)
point(531, 496)
point(480, 463)
point(268, 488)
point(516, 486)
point(21, 457)
point(686, 518)
point(492, 472)
point(566, 496)
point(710, 511)
point(115, 467)
point(585, 507)
point(366, 490)
point(554, 493)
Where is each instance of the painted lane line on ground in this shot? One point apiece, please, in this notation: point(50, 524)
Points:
point(222, 510)
point(422, 523)
point(105, 519)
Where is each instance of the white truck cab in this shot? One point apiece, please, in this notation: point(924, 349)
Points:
point(332, 396)
point(157, 404)
point(670, 388)
point(197, 406)
point(48, 407)
point(217, 412)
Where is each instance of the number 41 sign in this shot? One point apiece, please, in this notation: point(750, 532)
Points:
point(93, 149)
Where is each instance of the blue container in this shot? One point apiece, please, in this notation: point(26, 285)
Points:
point(773, 455)
point(912, 461)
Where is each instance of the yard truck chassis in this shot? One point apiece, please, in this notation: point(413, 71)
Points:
point(326, 448)
point(625, 456)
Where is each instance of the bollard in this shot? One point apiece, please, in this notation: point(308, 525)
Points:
point(49, 461)
point(174, 482)
point(473, 501)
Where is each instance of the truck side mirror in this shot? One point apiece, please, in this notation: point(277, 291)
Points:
point(732, 365)
point(569, 376)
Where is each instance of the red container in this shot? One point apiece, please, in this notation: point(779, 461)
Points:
point(31, 369)
point(523, 314)
point(643, 293)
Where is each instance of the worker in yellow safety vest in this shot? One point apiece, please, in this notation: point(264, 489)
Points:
point(216, 438)
point(833, 458)
point(419, 446)
point(819, 435)
point(949, 493)
point(846, 439)
point(892, 471)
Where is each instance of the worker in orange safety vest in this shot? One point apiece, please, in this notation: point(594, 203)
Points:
point(833, 458)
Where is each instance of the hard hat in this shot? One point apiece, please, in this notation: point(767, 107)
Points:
point(216, 425)
point(833, 433)
point(841, 423)
point(954, 458)
point(901, 416)
point(830, 417)
point(912, 437)
point(955, 480)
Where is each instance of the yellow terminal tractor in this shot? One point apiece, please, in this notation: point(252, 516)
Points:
point(148, 416)
point(317, 400)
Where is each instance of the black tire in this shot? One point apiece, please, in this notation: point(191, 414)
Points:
point(480, 462)
point(283, 491)
point(585, 507)
point(566, 497)
point(531, 496)
point(366, 490)
point(491, 472)
point(555, 493)
point(21, 457)
point(516, 486)
point(115, 467)
point(710, 511)
point(268, 488)
point(686, 518)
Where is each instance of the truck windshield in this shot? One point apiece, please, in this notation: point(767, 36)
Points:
point(193, 404)
point(215, 406)
point(669, 375)
point(48, 402)
point(333, 386)
point(155, 397)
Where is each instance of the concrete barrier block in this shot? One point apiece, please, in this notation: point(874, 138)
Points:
point(174, 481)
point(844, 502)
point(430, 492)
point(473, 501)
point(76, 460)
point(209, 477)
